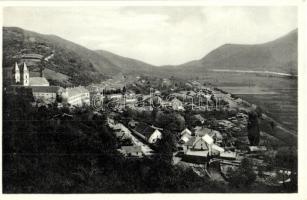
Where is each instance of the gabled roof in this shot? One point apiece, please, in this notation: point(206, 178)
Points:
point(186, 131)
point(195, 139)
point(201, 131)
point(38, 81)
point(175, 100)
point(144, 129)
point(132, 149)
point(185, 138)
point(45, 89)
point(76, 90)
point(207, 139)
point(191, 141)
point(198, 117)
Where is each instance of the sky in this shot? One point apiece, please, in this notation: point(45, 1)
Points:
point(157, 35)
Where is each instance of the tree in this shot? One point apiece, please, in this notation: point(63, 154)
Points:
point(243, 176)
point(253, 129)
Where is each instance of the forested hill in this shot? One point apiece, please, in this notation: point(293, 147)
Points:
point(71, 61)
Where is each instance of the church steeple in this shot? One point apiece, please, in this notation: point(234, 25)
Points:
point(25, 75)
point(16, 73)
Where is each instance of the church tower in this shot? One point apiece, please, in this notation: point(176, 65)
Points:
point(25, 75)
point(16, 74)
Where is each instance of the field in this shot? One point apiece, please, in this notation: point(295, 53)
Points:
point(277, 96)
point(281, 106)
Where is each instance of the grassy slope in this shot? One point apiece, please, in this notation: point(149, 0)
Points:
point(82, 65)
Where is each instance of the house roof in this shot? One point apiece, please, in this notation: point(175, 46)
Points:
point(175, 100)
point(132, 149)
point(228, 154)
point(207, 139)
point(191, 141)
point(201, 131)
point(198, 117)
point(144, 129)
point(76, 90)
point(45, 89)
point(218, 148)
point(38, 81)
point(197, 153)
point(186, 131)
point(186, 137)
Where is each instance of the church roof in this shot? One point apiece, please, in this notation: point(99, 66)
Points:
point(38, 81)
point(45, 89)
point(15, 68)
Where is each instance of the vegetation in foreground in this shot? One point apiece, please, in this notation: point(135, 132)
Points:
point(47, 154)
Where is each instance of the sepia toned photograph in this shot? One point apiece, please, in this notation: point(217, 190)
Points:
point(149, 99)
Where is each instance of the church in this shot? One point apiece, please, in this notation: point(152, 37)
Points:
point(21, 76)
point(40, 86)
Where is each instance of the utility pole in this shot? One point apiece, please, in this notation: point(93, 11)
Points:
point(199, 99)
point(150, 98)
point(192, 104)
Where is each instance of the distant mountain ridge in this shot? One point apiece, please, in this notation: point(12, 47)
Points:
point(83, 66)
point(127, 65)
point(279, 55)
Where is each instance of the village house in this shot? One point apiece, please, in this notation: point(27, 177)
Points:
point(198, 119)
point(134, 151)
point(185, 135)
point(196, 150)
point(77, 96)
point(202, 131)
point(148, 133)
point(176, 104)
point(200, 147)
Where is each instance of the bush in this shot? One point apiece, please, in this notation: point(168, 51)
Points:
point(243, 176)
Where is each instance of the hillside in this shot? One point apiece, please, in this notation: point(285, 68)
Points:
point(81, 65)
point(127, 65)
point(73, 64)
point(279, 55)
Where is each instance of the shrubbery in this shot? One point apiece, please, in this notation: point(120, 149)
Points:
point(42, 154)
point(243, 176)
